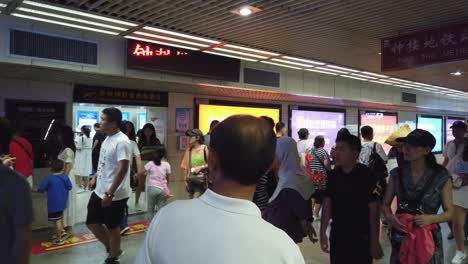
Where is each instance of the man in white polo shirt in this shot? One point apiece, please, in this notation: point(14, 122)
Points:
point(223, 225)
point(106, 206)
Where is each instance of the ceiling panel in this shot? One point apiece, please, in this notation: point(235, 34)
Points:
point(345, 32)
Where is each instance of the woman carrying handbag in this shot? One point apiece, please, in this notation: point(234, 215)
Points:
point(195, 164)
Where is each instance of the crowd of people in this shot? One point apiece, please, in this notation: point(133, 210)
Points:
point(252, 189)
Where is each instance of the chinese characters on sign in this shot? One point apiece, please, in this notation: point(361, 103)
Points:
point(108, 95)
point(141, 50)
point(423, 48)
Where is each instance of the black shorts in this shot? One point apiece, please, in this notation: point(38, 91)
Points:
point(196, 188)
point(109, 216)
point(55, 216)
point(318, 196)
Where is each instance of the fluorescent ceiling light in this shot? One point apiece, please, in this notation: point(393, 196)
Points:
point(331, 70)
point(230, 56)
point(363, 76)
point(423, 84)
point(404, 86)
point(2, 5)
point(281, 65)
point(294, 63)
point(70, 11)
point(170, 39)
point(374, 74)
point(303, 60)
point(181, 35)
point(413, 85)
point(69, 18)
point(162, 43)
point(64, 24)
point(380, 82)
point(390, 81)
point(241, 53)
point(400, 80)
point(253, 50)
point(341, 68)
point(352, 77)
point(326, 72)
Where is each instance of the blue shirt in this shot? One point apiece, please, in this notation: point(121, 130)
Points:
point(57, 187)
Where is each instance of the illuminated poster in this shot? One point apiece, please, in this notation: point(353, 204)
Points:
point(141, 120)
point(434, 125)
point(182, 119)
point(384, 124)
point(208, 113)
point(448, 131)
point(158, 117)
point(318, 123)
point(126, 116)
point(86, 118)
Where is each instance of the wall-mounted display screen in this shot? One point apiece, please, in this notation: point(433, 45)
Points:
point(319, 122)
point(448, 131)
point(211, 112)
point(126, 116)
point(155, 57)
point(141, 120)
point(86, 118)
point(383, 123)
point(433, 124)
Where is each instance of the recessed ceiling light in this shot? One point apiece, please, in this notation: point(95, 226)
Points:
point(457, 73)
point(380, 53)
point(246, 10)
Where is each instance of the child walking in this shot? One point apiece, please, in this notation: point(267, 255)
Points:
point(158, 173)
point(57, 187)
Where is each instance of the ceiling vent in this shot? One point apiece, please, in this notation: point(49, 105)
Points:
point(43, 46)
point(408, 98)
point(259, 77)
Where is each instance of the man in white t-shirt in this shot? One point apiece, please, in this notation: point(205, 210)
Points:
point(106, 206)
point(303, 144)
point(223, 225)
point(367, 134)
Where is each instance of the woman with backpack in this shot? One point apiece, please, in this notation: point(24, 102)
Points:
point(317, 164)
point(421, 188)
point(195, 164)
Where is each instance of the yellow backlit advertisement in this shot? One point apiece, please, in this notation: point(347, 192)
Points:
point(208, 113)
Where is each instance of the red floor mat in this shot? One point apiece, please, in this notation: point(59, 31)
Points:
point(41, 247)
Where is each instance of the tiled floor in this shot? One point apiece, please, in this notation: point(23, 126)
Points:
point(95, 253)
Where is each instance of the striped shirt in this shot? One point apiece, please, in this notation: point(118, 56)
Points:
point(315, 166)
point(261, 195)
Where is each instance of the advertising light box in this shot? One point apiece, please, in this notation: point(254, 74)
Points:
point(318, 122)
point(383, 123)
point(211, 112)
point(433, 124)
point(448, 131)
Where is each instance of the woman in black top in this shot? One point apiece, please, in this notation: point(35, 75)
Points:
point(421, 188)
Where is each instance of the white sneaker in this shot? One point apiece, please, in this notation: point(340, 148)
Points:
point(138, 208)
point(459, 258)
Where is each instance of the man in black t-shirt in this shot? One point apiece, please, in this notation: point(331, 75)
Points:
point(352, 200)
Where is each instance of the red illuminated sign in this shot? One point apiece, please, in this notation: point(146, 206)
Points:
point(147, 51)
